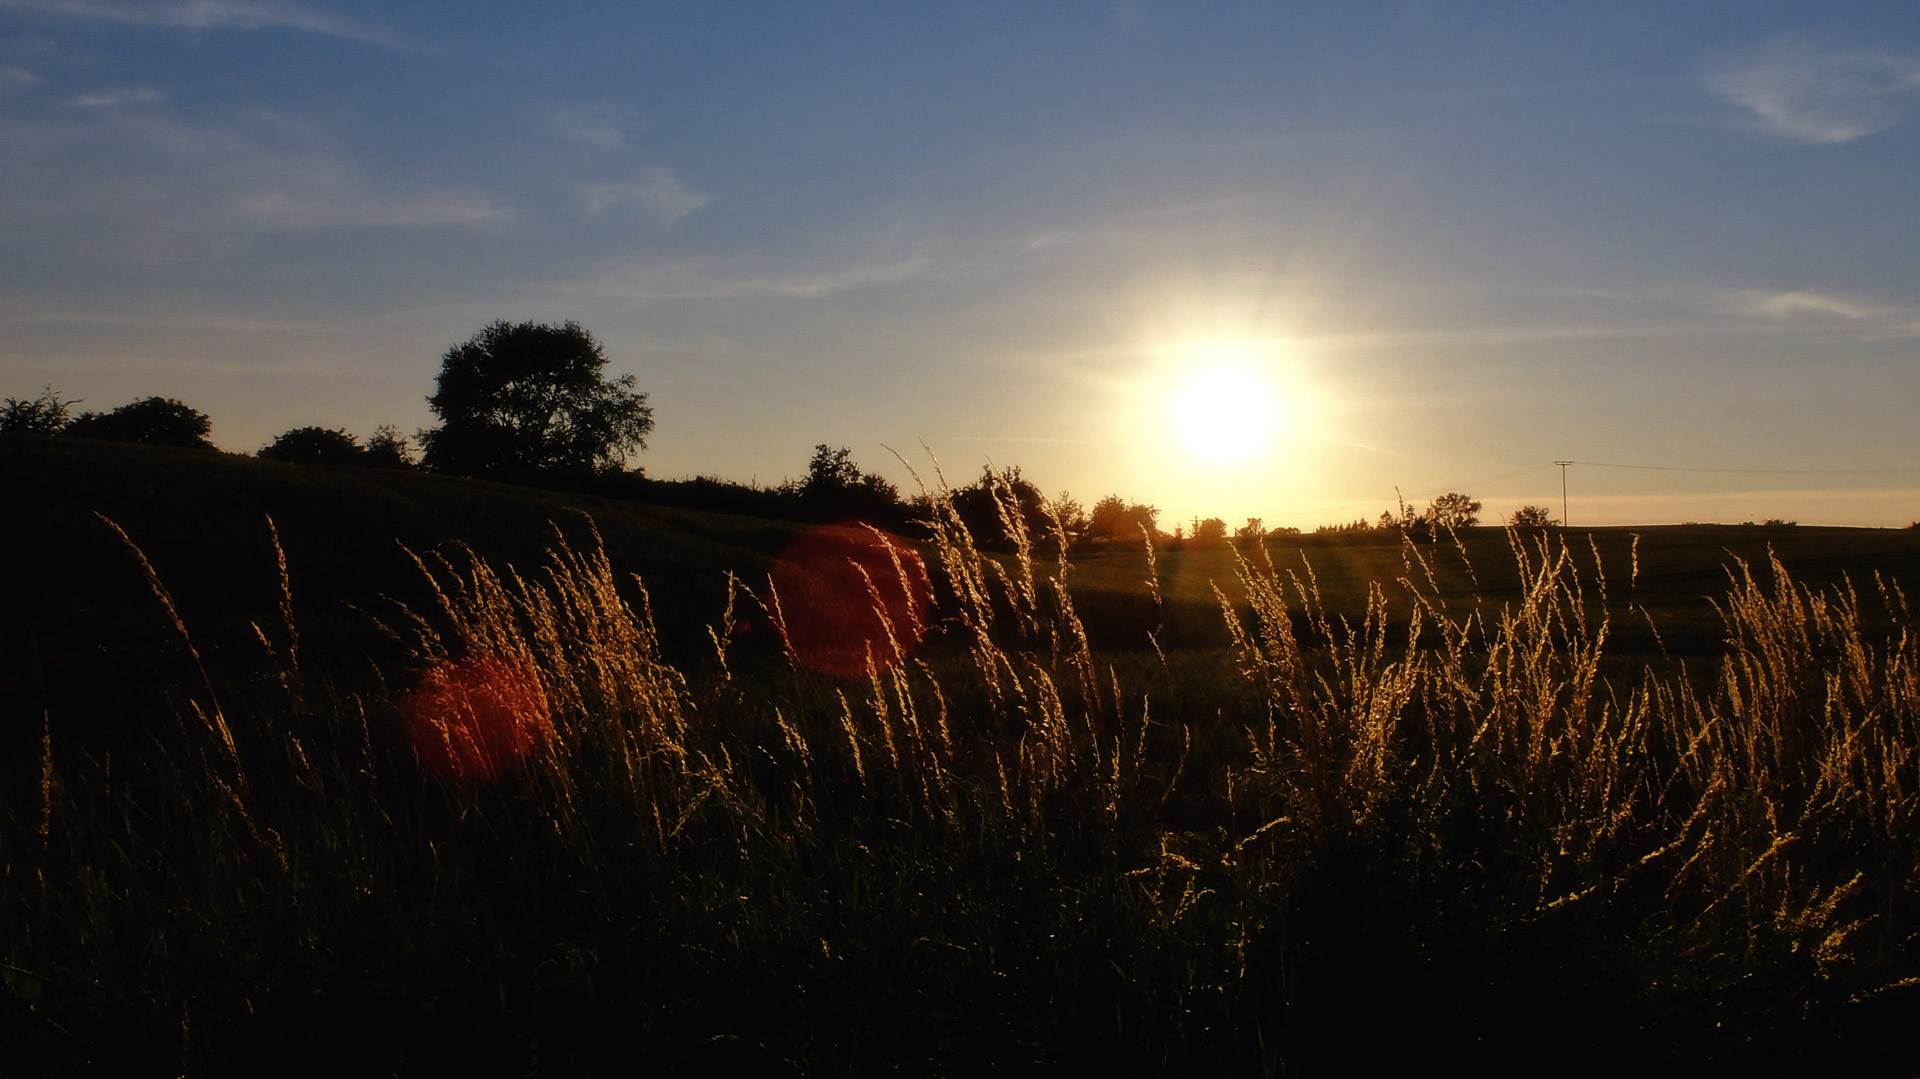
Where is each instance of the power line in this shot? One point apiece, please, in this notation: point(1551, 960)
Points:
point(1747, 471)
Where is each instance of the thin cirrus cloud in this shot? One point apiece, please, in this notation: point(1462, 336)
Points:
point(155, 177)
point(1795, 88)
point(115, 99)
point(281, 210)
point(603, 128)
point(658, 193)
point(733, 279)
point(206, 15)
point(1791, 304)
point(1866, 319)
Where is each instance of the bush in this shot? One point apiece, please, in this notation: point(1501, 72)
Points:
point(315, 446)
point(151, 421)
point(1531, 517)
point(44, 415)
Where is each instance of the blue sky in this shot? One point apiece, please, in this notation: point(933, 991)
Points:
point(1455, 241)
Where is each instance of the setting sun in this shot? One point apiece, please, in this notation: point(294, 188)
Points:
point(1225, 414)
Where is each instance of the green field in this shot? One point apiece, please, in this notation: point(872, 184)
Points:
point(1560, 800)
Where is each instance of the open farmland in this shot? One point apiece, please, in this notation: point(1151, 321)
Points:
point(1470, 793)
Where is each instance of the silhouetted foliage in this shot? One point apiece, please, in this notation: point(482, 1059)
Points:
point(315, 446)
point(1531, 517)
point(152, 421)
point(388, 448)
point(835, 487)
point(989, 505)
point(1071, 515)
point(1114, 518)
point(530, 398)
point(44, 415)
point(1452, 510)
point(1210, 530)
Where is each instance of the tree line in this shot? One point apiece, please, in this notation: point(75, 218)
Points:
point(531, 403)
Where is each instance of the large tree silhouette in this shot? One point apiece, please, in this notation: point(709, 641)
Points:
point(526, 397)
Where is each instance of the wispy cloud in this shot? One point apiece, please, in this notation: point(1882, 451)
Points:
point(1863, 319)
point(12, 78)
point(115, 99)
point(1782, 305)
point(207, 15)
point(659, 193)
point(1796, 88)
point(709, 279)
point(603, 127)
point(144, 180)
point(335, 205)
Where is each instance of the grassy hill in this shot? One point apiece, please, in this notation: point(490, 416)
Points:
point(540, 827)
point(78, 605)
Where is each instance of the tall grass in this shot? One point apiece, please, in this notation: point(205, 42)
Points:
point(1427, 825)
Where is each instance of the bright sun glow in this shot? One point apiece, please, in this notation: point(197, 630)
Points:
point(1225, 413)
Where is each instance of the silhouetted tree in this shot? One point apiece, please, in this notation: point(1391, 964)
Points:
point(1531, 517)
point(835, 487)
point(1210, 530)
point(388, 448)
point(44, 415)
point(314, 446)
point(990, 504)
point(525, 397)
point(1071, 515)
point(1452, 510)
point(1113, 518)
point(153, 421)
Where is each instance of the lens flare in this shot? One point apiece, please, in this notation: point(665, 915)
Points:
point(847, 593)
point(475, 719)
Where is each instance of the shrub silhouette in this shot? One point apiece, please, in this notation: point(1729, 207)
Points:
point(315, 446)
point(1531, 517)
point(44, 415)
point(152, 421)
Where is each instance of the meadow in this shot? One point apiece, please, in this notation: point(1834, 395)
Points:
point(383, 770)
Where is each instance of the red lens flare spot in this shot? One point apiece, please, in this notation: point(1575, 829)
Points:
point(477, 718)
point(848, 591)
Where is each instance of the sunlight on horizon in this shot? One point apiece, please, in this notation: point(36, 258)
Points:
point(1236, 423)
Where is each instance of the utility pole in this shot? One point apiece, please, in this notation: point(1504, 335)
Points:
point(1563, 491)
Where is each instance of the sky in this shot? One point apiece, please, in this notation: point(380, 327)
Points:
point(1294, 261)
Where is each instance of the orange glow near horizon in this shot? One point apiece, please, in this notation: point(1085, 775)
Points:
point(1233, 425)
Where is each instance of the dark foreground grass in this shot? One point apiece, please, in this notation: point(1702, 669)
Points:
point(1329, 844)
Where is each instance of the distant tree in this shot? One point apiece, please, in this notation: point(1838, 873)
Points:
point(1113, 518)
point(988, 506)
point(1210, 530)
point(1531, 517)
point(526, 397)
point(388, 448)
point(830, 472)
point(1452, 510)
point(44, 415)
point(836, 487)
point(314, 446)
point(1071, 515)
point(1254, 529)
point(153, 421)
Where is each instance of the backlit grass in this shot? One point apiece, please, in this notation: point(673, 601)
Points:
point(534, 844)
